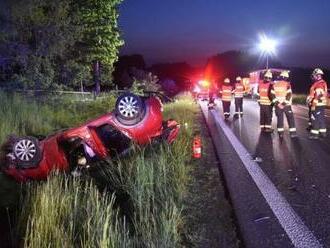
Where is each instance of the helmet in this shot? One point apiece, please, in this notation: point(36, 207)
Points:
point(227, 80)
point(285, 74)
point(268, 74)
point(238, 79)
point(317, 71)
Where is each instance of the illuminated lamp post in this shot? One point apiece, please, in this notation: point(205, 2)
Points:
point(268, 47)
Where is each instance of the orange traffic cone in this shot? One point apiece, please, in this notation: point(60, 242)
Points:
point(197, 147)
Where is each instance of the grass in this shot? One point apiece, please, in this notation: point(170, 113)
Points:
point(299, 99)
point(136, 202)
point(65, 212)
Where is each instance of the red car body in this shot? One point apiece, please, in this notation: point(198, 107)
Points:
point(55, 157)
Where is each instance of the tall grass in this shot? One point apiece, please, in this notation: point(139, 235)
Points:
point(141, 201)
point(156, 180)
point(65, 212)
point(30, 117)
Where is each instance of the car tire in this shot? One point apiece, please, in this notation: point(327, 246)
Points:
point(26, 151)
point(130, 109)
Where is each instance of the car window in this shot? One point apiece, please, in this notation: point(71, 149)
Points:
point(115, 141)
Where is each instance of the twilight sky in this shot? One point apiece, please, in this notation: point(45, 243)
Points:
point(193, 30)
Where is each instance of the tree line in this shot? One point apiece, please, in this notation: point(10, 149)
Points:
point(61, 44)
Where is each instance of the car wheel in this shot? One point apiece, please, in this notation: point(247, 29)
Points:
point(26, 151)
point(130, 109)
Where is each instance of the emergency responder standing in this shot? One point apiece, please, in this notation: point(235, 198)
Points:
point(238, 93)
point(317, 99)
point(282, 99)
point(265, 102)
point(226, 92)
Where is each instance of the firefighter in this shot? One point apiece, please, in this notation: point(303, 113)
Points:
point(226, 92)
point(238, 93)
point(282, 99)
point(265, 102)
point(308, 102)
point(317, 99)
point(212, 96)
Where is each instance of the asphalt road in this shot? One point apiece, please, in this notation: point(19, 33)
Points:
point(299, 168)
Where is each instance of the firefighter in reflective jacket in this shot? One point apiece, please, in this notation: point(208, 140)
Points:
point(317, 99)
point(265, 102)
point(238, 94)
point(282, 99)
point(226, 92)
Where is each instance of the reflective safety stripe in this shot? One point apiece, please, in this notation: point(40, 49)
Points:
point(262, 126)
point(323, 130)
point(293, 129)
point(313, 131)
point(226, 113)
point(268, 126)
point(241, 113)
point(280, 129)
point(236, 113)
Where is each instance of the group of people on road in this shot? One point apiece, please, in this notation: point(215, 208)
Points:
point(278, 94)
point(227, 91)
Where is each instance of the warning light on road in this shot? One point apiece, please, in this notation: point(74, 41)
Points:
point(204, 83)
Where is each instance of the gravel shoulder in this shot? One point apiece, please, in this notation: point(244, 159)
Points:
point(209, 216)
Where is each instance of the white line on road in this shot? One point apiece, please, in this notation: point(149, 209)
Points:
point(293, 225)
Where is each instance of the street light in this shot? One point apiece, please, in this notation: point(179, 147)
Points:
point(267, 46)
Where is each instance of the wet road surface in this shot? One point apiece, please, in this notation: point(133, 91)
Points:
point(299, 168)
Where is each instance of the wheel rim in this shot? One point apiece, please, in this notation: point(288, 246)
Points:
point(25, 150)
point(128, 107)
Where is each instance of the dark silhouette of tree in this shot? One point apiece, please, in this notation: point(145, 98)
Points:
point(182, 73)
point(124, 68)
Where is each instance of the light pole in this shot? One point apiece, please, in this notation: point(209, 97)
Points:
point(268, 47)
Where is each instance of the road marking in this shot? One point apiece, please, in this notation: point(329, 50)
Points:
point(297, 231)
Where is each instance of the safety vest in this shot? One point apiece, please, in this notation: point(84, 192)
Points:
point(281, 90)
point(226, 92)
point(239, 90)
point(318, 93)
point(263, 91)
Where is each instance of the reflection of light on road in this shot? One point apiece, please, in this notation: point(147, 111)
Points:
point(292, 224)
point(240, 126)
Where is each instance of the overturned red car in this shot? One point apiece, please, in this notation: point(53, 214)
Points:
point(135, 120)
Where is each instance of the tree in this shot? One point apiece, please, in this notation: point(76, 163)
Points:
point(101, 37)
point(143, 81)
point(40, 35)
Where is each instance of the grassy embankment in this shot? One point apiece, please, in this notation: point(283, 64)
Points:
point(301, 99)
point(135, 202)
